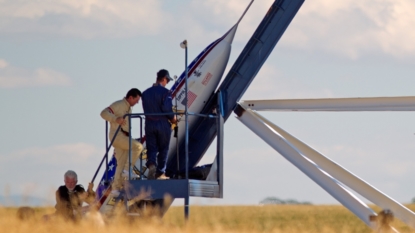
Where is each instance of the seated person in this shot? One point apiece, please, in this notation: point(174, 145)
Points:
point(70, 197)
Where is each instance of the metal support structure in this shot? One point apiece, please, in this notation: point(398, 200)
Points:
point(219, 146)
point(327, 182)
point(129, 158)
point(346, 177)
point(186, 113)
point(186, 139)
point(401, 103)
point(106, 155)
point(129, 148)
point(141, 155)
point(295, 150)
point(176, 135)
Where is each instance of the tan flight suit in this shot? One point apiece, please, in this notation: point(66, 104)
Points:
point(121, 142)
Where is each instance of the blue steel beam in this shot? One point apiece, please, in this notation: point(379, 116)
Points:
point(240, 76)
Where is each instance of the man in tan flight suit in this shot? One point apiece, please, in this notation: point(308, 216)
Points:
point(114, 114)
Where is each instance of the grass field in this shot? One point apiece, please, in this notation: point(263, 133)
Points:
point(285, 218)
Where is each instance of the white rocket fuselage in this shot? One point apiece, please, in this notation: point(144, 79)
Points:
point(204, 75)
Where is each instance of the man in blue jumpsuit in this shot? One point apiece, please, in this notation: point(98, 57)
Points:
point(158, 99)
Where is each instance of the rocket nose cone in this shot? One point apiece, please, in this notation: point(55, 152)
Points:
point(228, 37)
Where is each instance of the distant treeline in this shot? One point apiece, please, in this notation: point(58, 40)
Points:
point(277, 201)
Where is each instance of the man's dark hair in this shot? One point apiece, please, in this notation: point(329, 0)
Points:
point(134, 92)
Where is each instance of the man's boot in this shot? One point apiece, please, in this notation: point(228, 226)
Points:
point(151, 172)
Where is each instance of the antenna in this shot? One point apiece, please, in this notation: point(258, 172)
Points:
point(247, 8)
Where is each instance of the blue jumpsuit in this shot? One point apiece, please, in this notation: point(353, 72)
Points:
point(157, 99)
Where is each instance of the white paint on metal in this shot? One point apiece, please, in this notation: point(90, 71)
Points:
point(213, 173)
point(346, 177)
point(289, 151)
point(404, 103)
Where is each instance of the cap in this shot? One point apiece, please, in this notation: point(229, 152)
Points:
point(164, 73)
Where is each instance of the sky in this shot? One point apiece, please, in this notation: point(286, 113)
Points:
point(63, 61)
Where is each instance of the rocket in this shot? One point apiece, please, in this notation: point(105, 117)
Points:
point(204, 75)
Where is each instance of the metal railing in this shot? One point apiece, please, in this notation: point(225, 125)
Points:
point(140, 116)
point(219, 162)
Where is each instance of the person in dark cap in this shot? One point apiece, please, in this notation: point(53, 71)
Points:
point(158, 99)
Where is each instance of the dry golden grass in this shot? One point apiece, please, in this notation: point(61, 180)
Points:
point(207, 219)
